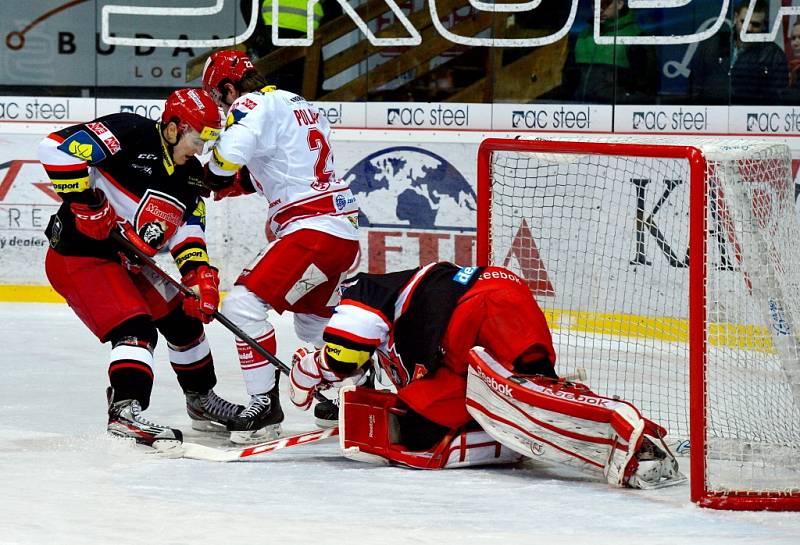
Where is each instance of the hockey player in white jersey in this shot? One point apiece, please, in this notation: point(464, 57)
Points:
point(277, 144)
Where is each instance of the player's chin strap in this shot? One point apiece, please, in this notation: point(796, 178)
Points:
point(120, 239)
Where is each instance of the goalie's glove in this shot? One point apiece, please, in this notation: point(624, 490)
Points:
point(203, 281)
point(94, 220)
point(310, 373)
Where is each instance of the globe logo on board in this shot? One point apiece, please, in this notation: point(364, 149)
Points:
point(412, 187)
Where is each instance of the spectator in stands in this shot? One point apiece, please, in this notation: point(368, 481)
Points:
point(612, 73)
point(794, 59)
point(727, 69)
point(291, 24)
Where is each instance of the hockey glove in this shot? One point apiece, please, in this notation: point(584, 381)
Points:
point(95, 220)
point(242, 185)
point(310, 373)
point(305, 377)
point(204, 281)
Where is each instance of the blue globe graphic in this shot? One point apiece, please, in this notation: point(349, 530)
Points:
point(413, 187)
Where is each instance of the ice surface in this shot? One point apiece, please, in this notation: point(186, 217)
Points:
point(62, 481)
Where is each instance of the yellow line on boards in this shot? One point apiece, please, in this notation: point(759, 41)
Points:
point(737, 336)
point(728, 335)
point(29, 294)
point(37, 294)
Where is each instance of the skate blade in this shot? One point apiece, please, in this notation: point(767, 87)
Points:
point(161, 448)
point(208, 426)
point(267, 433)
point(326, 423)
point(166, 448)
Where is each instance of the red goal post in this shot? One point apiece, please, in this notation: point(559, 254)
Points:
point(671, 272)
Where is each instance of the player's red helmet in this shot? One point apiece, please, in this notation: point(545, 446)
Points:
point(222, 65)
point(193, 108)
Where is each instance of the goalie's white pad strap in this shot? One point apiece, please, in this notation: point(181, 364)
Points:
point(477, 448)
point(553, 421)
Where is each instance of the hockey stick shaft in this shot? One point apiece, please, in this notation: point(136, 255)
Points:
point(211, 454)
point(233, 328)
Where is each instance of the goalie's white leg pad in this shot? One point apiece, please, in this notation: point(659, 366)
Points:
point(553, 420)
point(368, 432)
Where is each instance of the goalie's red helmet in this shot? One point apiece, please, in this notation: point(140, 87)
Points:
point(193, 108)
point(221, 65)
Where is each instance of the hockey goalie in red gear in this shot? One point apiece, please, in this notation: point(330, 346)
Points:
point(127, 172)
point(470, 354)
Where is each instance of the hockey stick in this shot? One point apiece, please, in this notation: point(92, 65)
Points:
point(120, 239)
point(212, 454)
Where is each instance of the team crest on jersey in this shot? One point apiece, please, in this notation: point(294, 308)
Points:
point(83, 147)
point(108, 138)
point(158, 217)
point(235, 116)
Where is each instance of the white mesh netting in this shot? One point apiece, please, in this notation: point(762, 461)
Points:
point(603, 240)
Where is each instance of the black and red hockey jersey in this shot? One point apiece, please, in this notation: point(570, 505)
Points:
point(126, 157)
point(402, 315)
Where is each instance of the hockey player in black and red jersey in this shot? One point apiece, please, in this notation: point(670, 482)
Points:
point(124, 171)
point(471, 357)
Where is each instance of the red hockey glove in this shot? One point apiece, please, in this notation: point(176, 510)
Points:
point(95, 220)
point(241, 186)
point(204, 281)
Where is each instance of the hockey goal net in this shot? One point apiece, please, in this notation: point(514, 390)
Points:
point(671, 273)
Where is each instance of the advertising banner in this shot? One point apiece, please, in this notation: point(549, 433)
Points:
point(418, 204)
point(671, 119)
point(58, 42)
point(42, 114)
point(428, 115)
point(552, 117)
point(764, 120)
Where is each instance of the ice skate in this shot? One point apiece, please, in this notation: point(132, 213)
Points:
point(209, 412)
point(656, 468)
point(326, 413)
point(259, 421)
point(125, 420)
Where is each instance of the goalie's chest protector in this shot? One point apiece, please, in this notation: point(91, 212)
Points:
point(418, 303)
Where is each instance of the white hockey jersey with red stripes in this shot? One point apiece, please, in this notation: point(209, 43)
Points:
point(285, 143)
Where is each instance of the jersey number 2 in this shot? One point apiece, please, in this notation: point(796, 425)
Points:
point(317, 141)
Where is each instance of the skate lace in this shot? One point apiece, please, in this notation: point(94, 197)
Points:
point(258, 404)
point(136, 416)
point(215, 405)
